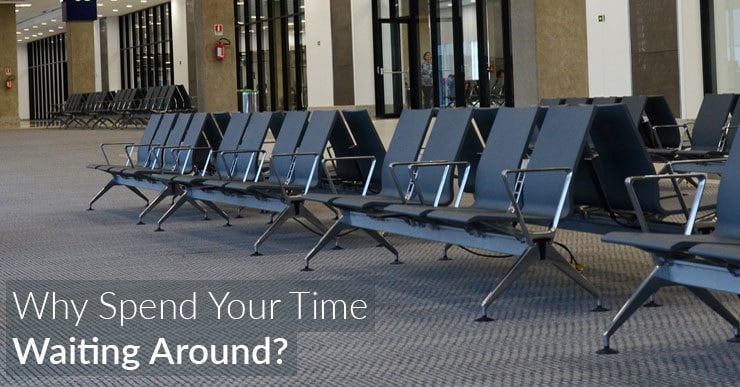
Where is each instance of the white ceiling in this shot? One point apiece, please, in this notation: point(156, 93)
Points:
point(43, 18)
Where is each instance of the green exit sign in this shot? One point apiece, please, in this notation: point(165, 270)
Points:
point(602, 18)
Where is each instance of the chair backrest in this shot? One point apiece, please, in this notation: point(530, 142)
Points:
point(574, 101)
point(472, 148)
point(222, 120)
point(405, 145)
point(560, 144)
point(604, 100)
point(710, 121)
point(321, 127)
point(367, 143)
point(621, 154)
point(732, 128)
point(165, 158)
point(445, 142)
point(149, 100)
point(635, 105)
point(291, 133)
point(232, 137)
point(505, 148)
point(167, 100)
point(202, 133)
point(254, 137)
point(551, 101)
point(484, 118)
point(659, 113)
point(728, 206)
point(182, 98)
point(146, 139)
point(159, 139)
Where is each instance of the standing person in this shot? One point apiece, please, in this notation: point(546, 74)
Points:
point(426, 80)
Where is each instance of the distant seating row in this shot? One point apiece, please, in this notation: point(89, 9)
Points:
point(577, 167)
point(711, 134)
point(120, 108)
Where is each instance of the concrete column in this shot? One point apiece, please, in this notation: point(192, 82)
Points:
point(215, 80)
point(80, 39)
point(562, 48)
point(8, 59)
point(655, 61)
point(524, 52)
point(341, 43)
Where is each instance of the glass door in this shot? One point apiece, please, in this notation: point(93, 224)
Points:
point(396, 60)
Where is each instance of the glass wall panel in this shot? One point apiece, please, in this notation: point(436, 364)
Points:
point(727, 45)
point(271, 52)
point(47, 75)
point(445, 72)
point(146, 48)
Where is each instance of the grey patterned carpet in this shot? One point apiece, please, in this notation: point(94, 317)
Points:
point(544, 332)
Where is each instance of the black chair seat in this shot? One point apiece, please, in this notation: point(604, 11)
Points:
point(326, 198)
point(728, 253)
point(665, 242)
point(474, 215)
point(364, 203)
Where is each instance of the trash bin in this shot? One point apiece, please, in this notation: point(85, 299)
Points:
point(249, 102)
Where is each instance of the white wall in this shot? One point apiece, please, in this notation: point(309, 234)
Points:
point(689, 57)
point(609, 49)
point(362, 52)
point(180, 42)
point(114, 53)
point(319, 72)
point(24, 107)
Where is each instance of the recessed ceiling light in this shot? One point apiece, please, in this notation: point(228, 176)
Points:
point(20, 40)
point(51, 30)
point(25, 29)
point(60, 27)
point(17, 32)
point(100, 4)
point(99, 15)
point(16, 11)
point(129, 6)
point(43, 23)
point(26, 38)
point(23, 5)
point(35, 27)
point(143, 1)
point(115, 9)
point(53, 20)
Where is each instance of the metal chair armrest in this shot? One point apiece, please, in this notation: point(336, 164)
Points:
point(690, 217)
point(515, 204)
point(348, 158)
point(106, 144)
point(414, 166)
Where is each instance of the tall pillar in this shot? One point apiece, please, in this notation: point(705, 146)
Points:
point(215, 80)
point(80, 39)
point(562, 48)
point(8, 60)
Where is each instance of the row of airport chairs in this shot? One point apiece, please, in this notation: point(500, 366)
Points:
point(710, 135)
point(572, 175)
point(120, 108)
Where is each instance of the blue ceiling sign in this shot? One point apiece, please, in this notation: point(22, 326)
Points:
point(79, 10)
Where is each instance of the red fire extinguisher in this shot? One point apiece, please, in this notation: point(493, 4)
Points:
point(221, 48)
point(9, 82)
